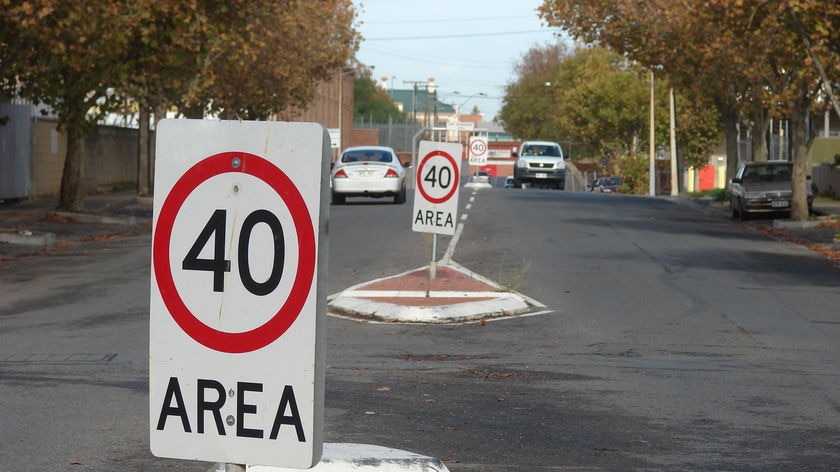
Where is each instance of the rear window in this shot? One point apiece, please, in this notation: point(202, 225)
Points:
point(367, 155)
point(768, 173)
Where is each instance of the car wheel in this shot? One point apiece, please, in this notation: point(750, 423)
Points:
point(337, 199)
point(741, 213)
point(560, 185)
point(733, 209)
point(399, 198)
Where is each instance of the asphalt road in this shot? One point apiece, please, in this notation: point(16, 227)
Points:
point(676, 340)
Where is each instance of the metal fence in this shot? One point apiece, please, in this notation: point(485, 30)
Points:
point(398, 135)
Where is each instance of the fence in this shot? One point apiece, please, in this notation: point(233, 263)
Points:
point(396, 135)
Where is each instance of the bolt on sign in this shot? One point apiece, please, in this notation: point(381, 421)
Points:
point(236, 350)
point(436, 191)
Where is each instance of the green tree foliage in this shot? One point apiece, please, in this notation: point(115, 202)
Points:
point(753, 58)
point(236, 58)
point(371, 102)
point(600, 100)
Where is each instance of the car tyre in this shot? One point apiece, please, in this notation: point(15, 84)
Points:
point(741, 213)
point(399, 198)
point(337, 199)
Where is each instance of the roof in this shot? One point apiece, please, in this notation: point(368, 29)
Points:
point(419, 102)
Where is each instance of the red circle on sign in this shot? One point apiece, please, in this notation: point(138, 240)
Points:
point(272, 329)
point(480, 151)
point(456, 178)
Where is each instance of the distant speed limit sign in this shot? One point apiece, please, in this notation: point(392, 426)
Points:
point(437, 179)
point(478, 151)
point(235, 373)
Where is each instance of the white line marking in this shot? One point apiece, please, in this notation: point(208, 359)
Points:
point(422, 293)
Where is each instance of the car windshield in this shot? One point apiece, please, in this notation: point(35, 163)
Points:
point(767, 173)
point(367, 155)
point(537, 150)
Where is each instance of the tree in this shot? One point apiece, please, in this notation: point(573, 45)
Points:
point(721, 49)
point(275, 63)
point(75, 56)
point(599, 99)
point(372, 102)
point(237, 58)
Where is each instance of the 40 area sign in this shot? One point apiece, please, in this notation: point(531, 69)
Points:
point(436, 190)
point(236, 366)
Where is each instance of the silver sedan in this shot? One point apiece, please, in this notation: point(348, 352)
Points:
point(368, 171)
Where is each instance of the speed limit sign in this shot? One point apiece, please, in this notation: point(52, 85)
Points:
point(436, 188)
point(236, 344)
point(478, 151)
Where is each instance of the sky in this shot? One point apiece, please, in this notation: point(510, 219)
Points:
point(469, 47)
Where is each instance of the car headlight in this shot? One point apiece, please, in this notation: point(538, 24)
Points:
point(754, 195)
point(521, 164)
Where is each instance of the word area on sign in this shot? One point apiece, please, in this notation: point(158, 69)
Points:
point(439, 219)
point(211, 398)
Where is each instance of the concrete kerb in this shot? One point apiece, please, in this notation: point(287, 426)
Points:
point(340, 457)
point(453, 305)
point(92, 218)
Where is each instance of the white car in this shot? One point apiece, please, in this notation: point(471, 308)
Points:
point(368, 171)
point(540, 163)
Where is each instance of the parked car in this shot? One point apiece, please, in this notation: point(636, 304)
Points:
point(611, 185)
point(595, 186)
point(481, 177)
point(540, 162)
point(762, 187)
point(368, 171)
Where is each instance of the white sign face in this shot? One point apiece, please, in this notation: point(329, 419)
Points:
point(436, 188)
point(335, 138)
point(478, 151)
point(236, 349)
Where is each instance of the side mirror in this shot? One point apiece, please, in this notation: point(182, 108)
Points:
point(737, 181)
point(407, 164)
point(514, 154)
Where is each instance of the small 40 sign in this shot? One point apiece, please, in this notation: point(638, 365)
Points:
point(478, 150)
point(437, 183)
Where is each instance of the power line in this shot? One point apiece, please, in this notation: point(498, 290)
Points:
point(449, 36)
point(448, 20)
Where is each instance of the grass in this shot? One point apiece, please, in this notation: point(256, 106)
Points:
point(718, 194)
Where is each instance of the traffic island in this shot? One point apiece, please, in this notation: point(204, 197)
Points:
point(340, 457)
point(455, 295)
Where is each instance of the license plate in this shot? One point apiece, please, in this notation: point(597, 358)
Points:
point(779, 203)
point(542, 175)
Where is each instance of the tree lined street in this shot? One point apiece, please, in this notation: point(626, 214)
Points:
point(676, 340)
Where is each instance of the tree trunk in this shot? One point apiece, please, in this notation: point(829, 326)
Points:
point(799, 145)
point(761, 125)
point(730, 122)
point(70, 194)
point(143, 158)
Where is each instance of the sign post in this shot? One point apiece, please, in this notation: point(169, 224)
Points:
point(236, 350)
point(436, 192)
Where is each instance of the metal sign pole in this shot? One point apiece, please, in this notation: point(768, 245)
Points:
point(432, 263)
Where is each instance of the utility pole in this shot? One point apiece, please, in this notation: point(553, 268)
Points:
point(652, 138)
point(429, 85)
